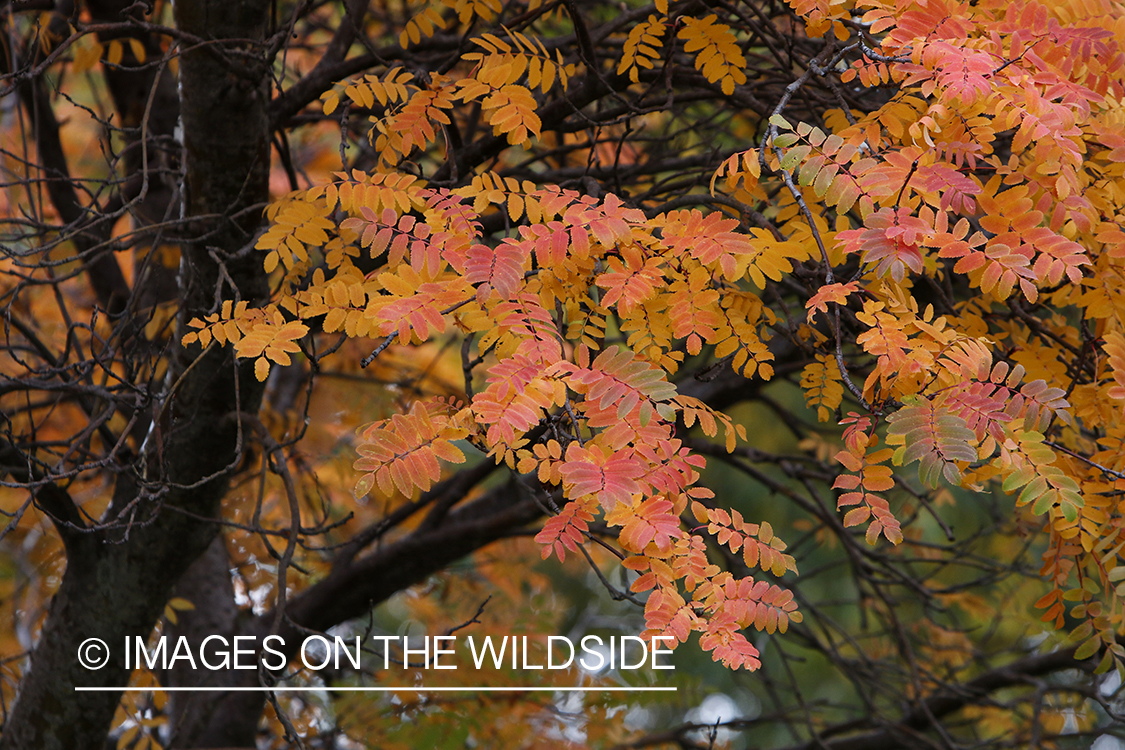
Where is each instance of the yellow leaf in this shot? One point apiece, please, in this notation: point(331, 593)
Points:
point(138, 49)
point(87, 56)
point(116, 51)
point(515, 206)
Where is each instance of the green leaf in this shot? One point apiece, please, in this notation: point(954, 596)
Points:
point(795, 156)
point(1033, 490)
point(1088, 649)
point(780, 122)
point(1044, 503)
point(1105, 664)
point(1019, 478)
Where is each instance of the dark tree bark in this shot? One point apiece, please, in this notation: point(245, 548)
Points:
point(119, 575)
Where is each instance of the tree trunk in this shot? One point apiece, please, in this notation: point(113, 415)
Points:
point(119, 576)
point(207, 585)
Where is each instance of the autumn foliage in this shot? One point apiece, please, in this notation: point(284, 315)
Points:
point(913, 194)
point(920, 228)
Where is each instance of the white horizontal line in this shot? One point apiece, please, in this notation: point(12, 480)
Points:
point(402, 689)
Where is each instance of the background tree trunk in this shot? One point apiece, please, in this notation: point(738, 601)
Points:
point(119, 576)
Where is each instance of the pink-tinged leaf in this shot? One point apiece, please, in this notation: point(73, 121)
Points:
point(589, 472)
point(364, 485)
point(644, 522)
point(565, 531)
point(829, 293)
point(892, 241)
point(497, 269)
point(710, 239)
point(856, 516)
point(631, 281)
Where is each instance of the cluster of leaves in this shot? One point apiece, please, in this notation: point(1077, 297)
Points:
point(923, 194)
point(914, 190)
point(610, 412)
